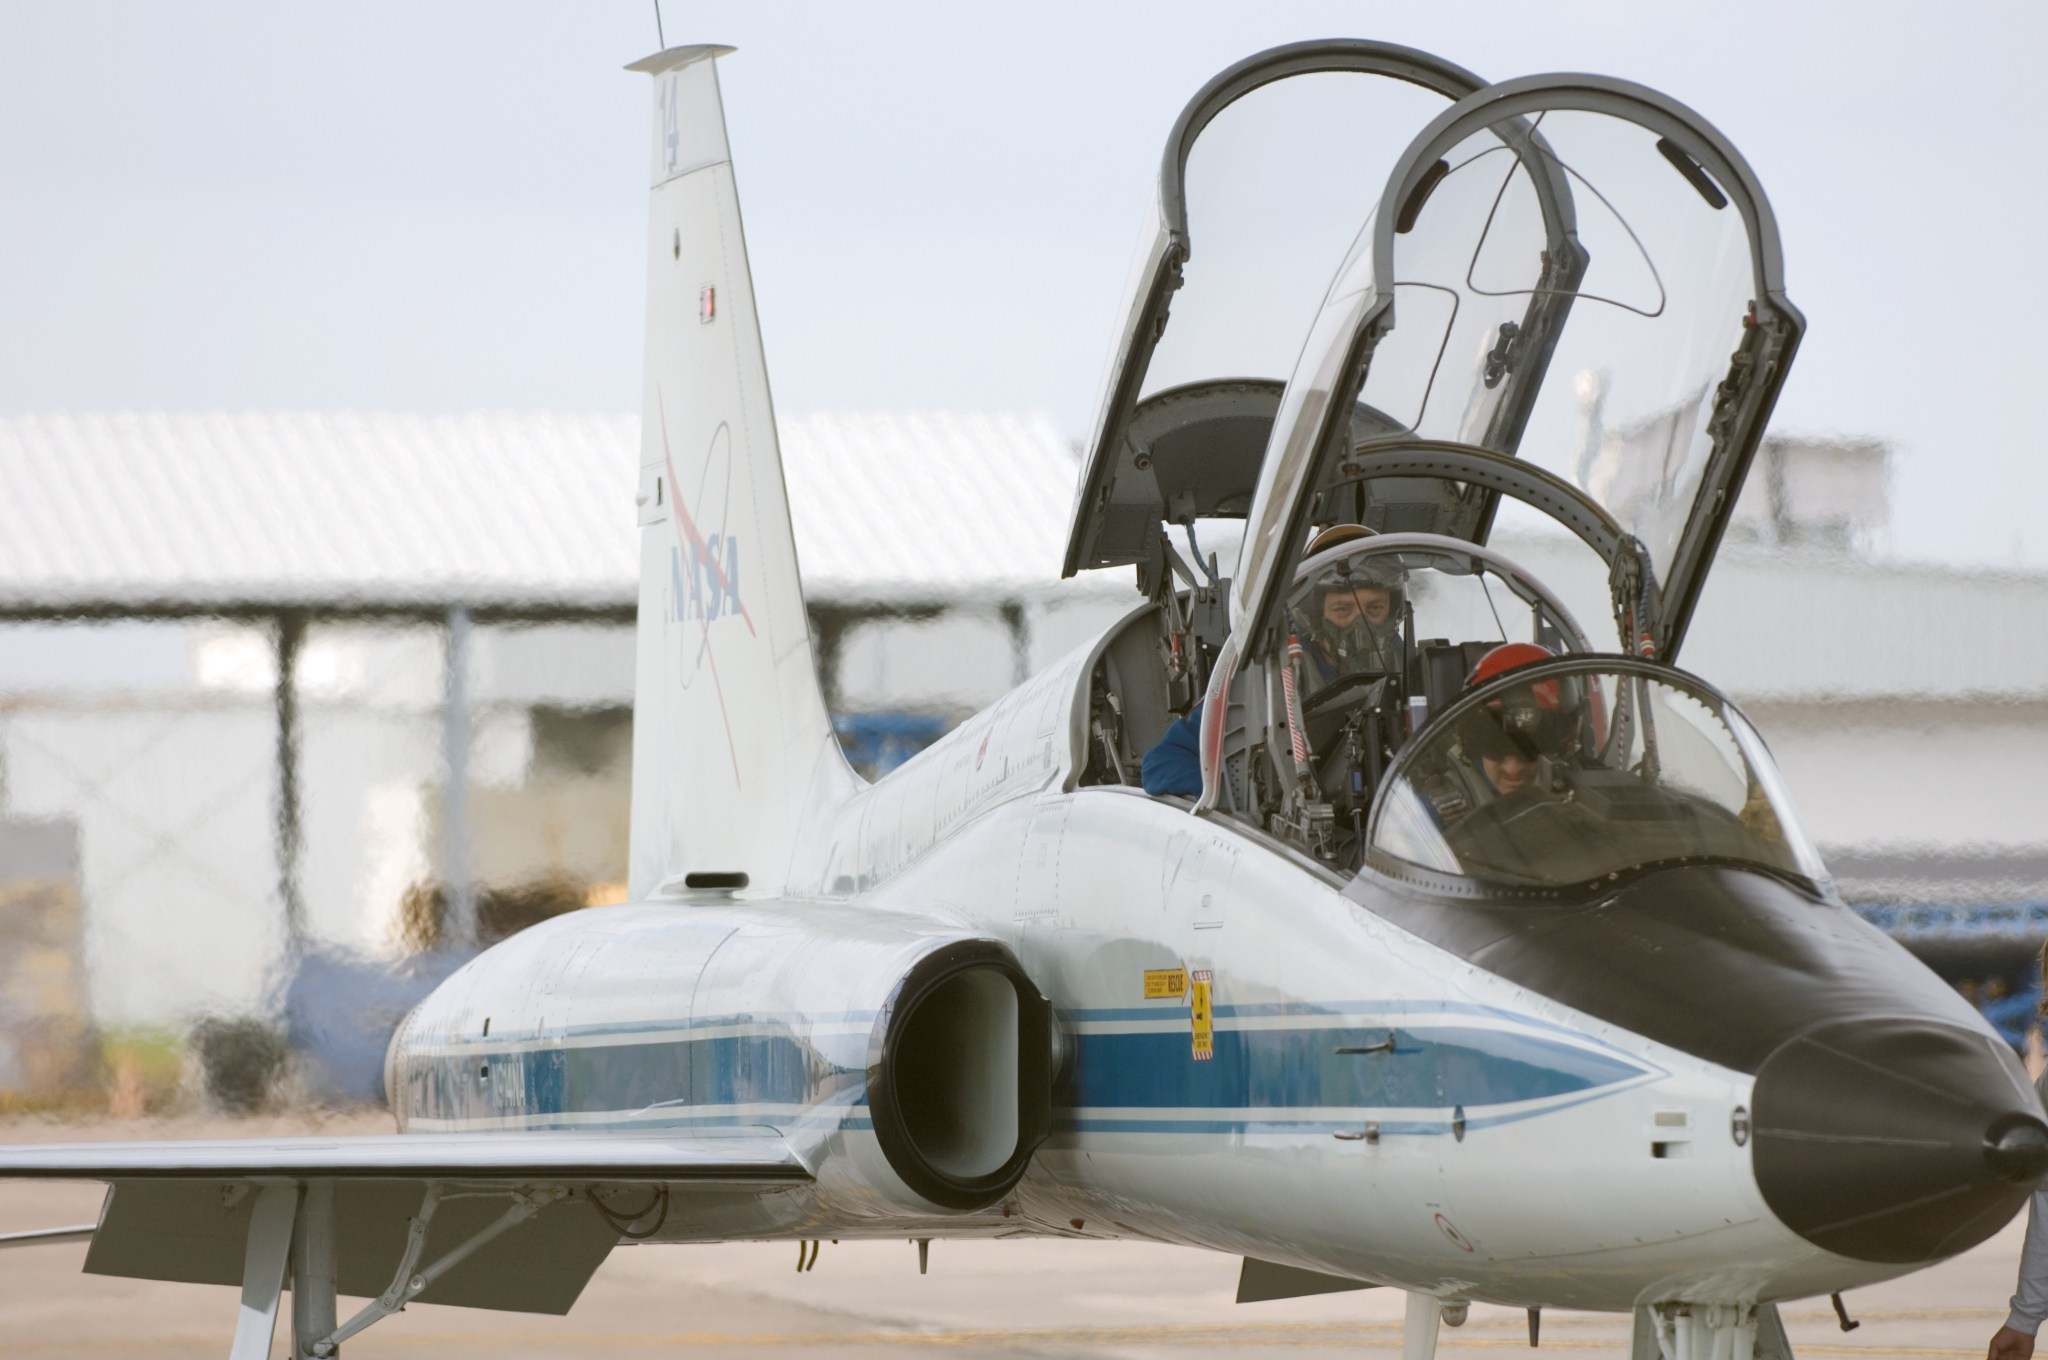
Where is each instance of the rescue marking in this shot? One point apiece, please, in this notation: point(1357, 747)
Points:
point(1202, 1014)
point(1166, 984)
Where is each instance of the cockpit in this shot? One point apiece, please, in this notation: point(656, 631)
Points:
point(1437, 714)
point(1561, 312)
point(1383, 632)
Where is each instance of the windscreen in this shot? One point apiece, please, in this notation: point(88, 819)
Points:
point(1566, 774)
point(1570, 288)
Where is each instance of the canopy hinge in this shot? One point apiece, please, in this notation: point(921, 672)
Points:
point(1633, 582)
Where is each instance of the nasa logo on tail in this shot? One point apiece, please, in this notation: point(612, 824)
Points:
point(704, 579)
point(704, 582)
point(704, 568)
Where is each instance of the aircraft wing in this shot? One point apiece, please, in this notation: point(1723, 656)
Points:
point(518, 1220)
point(44, 1237)
point(735, 1157)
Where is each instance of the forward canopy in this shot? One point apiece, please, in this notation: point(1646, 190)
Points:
point(1574, 271)
point(1571, 272)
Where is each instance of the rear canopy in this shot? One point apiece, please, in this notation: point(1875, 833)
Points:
point(1270, 167)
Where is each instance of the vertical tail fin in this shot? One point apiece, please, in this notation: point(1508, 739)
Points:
point(729, 725)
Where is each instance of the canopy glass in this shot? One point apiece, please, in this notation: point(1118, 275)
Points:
point(1266, 175)
point(1275, 188)
point(1569, 774)
point(1573, 271)
point(1620, 405)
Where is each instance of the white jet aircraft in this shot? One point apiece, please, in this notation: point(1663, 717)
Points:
point(1470, 960)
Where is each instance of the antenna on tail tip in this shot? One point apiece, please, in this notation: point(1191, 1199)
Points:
point(660, 38)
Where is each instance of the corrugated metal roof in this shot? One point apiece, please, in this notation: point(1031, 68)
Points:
point(526, 512)
point(905, 503)
point(1804, 624)
point(192, 512)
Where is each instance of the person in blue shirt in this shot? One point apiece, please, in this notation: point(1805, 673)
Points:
point(1174, 765)
point(1353, 623)
point(2010, 1013)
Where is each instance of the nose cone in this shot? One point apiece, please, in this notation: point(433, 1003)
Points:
point(2019, 1151)
point(1896, 1140)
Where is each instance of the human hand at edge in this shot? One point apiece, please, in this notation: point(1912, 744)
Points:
point(2008, 1344)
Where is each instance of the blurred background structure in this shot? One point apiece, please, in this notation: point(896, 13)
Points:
point(299, 710)
point(297, 699)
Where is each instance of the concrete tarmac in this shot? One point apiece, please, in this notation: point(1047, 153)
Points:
point(1012, 1298)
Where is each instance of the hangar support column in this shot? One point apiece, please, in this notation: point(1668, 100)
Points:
point(289, 636)
point(1019, 624)
point(456, 872)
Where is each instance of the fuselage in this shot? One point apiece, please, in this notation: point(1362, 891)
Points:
point(1251, 1057)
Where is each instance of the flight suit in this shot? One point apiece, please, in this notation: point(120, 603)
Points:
point(2030, 1300)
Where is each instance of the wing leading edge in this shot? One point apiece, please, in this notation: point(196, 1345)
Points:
point(520, 1221)
point(740, 1156)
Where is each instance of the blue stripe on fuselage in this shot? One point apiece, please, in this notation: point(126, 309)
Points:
point(1265, 1070)
point(1261, 1069)
point(762, 1068)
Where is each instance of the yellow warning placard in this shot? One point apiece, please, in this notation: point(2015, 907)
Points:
point(1166, 984)
point(1200, 1013)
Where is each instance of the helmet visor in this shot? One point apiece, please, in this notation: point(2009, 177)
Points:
point(1540, 719)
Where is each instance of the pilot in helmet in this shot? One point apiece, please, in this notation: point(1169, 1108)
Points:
point(1349, 616)
point(1348, 619)
point(1500, 743)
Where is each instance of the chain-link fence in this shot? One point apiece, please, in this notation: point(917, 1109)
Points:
point(234, 851)
point(196, 854)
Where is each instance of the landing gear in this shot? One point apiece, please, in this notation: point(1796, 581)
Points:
point(1426, 1312)
point(263, 1261)
point(1709, 1331)
point(1418, 1328)
point(313, 1270)
point(292, 1227)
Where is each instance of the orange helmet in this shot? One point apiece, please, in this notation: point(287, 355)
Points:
point(1528, 720)
point(1512, 656)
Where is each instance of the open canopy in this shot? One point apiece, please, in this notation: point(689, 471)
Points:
point(1270, 169)
point(1572, 271)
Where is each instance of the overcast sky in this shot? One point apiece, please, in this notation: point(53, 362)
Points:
point(439, 206)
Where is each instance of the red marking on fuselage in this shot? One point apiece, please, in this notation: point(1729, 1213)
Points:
point(1210, 750)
